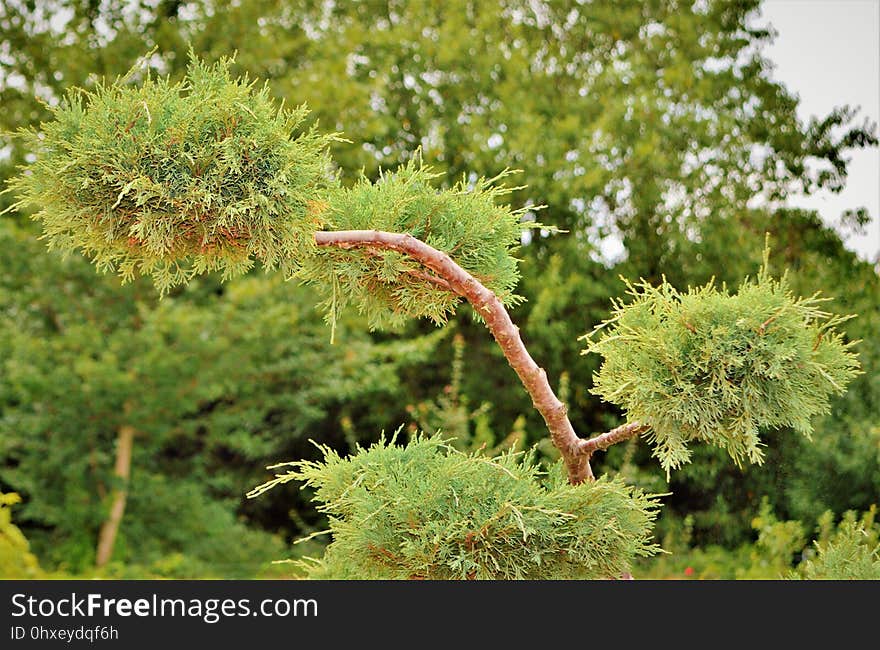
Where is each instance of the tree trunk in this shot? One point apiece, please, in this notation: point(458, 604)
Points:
point(122, 472)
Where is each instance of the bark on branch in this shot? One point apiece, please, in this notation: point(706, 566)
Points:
point(619, 434)
point(576, 452)
point(506, 334)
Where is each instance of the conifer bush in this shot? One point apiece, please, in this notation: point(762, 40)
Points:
point(391, 288)
point(428, 511)
point(209, 174)
point(174, 179)
point(714, 366)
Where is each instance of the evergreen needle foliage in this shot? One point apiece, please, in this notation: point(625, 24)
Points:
point(714, 366)
point(465, 221)
point(175, 179)
point(849, 552)
point(428, 511)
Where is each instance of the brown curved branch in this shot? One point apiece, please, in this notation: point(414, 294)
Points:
point(576, 452)
point(487, 304)
point(421, 275)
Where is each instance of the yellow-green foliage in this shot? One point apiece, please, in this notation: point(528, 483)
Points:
point(465, 221)
point(174, 179)
point(428, 511)
point(16, 560)
point(713, 366)
point(851, 551)
point(777, 546)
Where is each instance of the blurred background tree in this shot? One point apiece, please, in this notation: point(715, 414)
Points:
point(653, 133)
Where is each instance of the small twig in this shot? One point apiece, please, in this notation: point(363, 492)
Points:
point(433, 279)
point(609, 438)
point(440, 282)
point(763, 326)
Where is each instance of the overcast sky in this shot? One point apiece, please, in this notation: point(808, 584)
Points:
point(828, 52)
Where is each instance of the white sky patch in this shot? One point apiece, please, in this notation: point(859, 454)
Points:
point(828, 52)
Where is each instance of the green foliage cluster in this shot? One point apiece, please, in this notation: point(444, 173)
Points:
point(466, 221)
point(846, 550)
point(778, 546)
point(713, 366)
point(174, 180)
point(16, 560)
point(428, 511)
point(177, 179)
point(849, 551)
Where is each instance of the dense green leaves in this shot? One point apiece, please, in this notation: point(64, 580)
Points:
point(428, 511)
point(713, 366)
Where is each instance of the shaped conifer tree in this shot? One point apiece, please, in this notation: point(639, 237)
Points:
point(172, 180)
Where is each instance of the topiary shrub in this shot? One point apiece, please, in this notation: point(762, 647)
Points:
point(391, 288)
point(713, 366)
point(173, 180)
point(428, 511)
